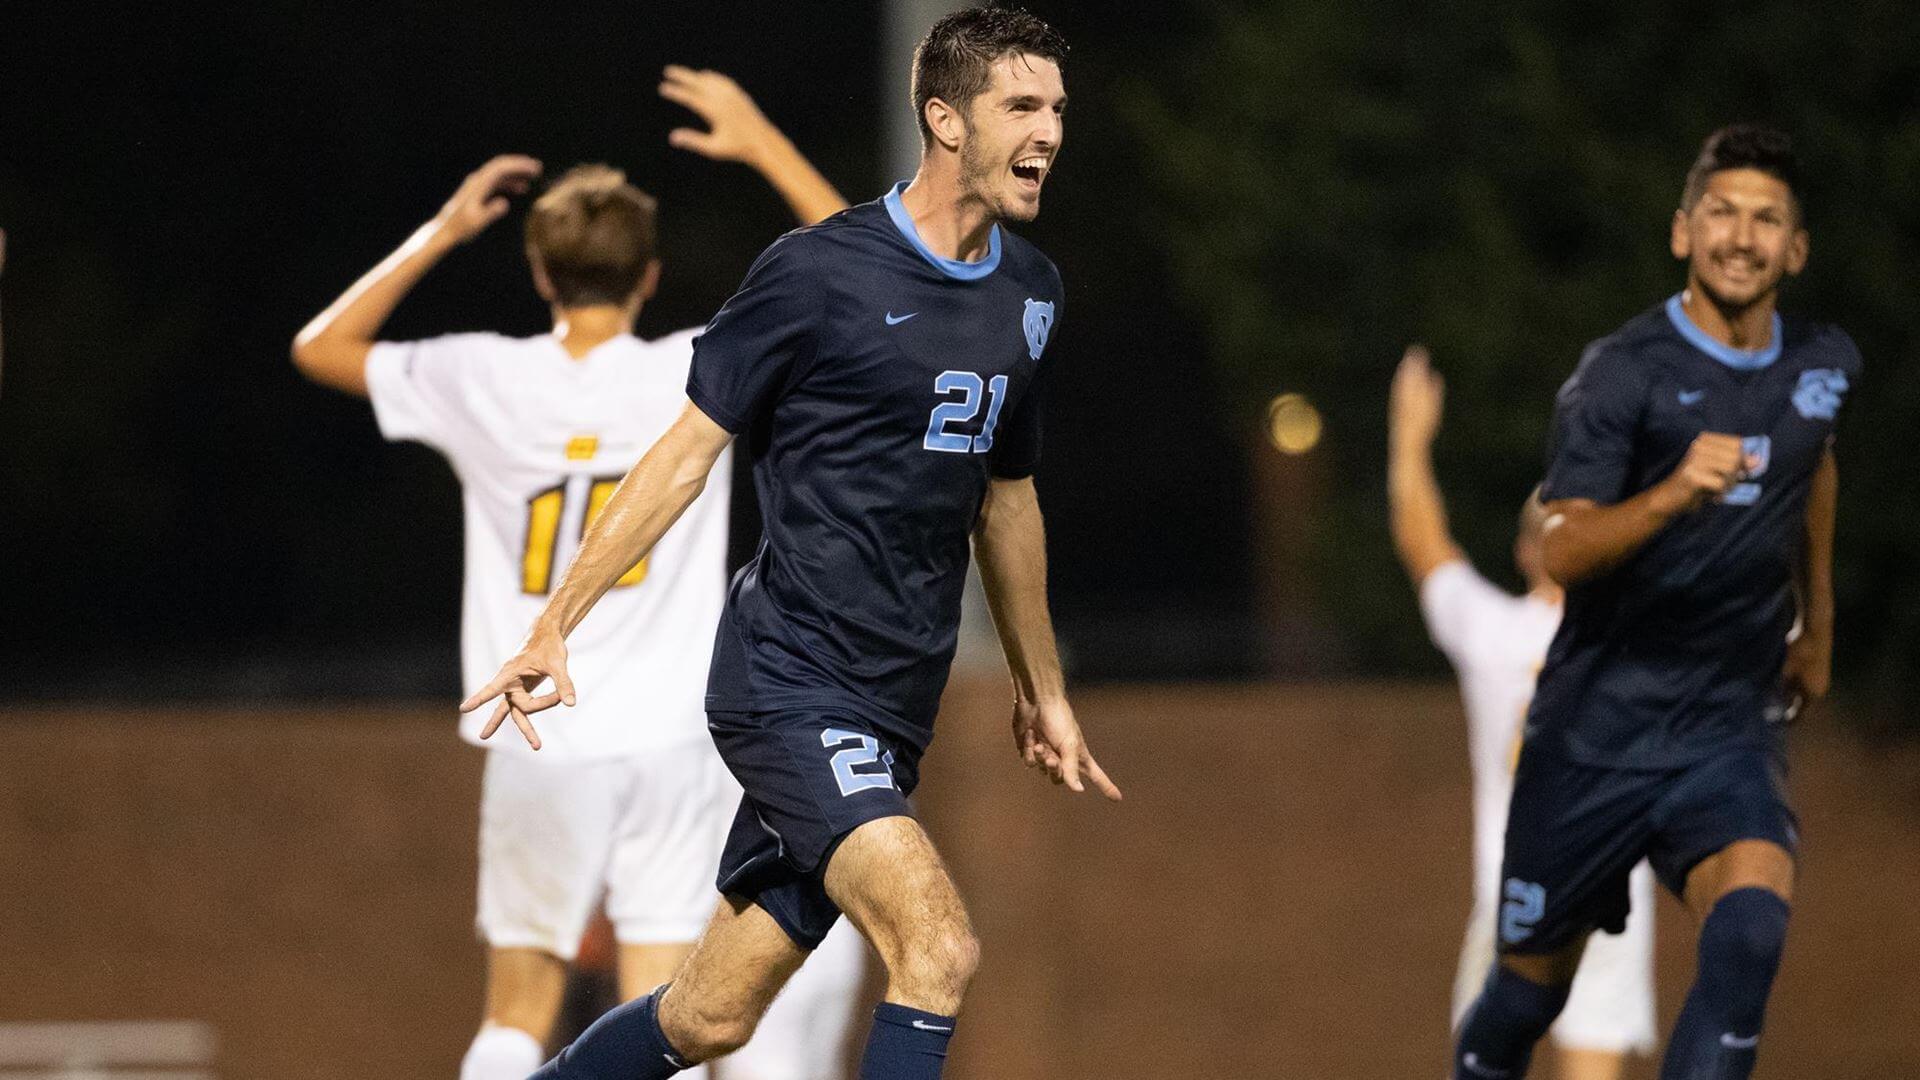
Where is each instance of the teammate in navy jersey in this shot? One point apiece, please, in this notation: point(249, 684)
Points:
point(884, 366)
point(1690, 490)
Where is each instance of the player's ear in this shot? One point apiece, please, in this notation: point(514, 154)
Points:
point(1681, 242)
point(649, 282)
point(1798, 248)
point(946, 123)
point(542, 284)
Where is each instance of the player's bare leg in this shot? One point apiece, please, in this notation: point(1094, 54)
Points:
point(1580, 1063)
point(524, 988)
point(644, 967)
point(1741, 895)
point(887, 877)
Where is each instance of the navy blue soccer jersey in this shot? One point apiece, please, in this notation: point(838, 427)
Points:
point(1676, 653)
point(879, 386)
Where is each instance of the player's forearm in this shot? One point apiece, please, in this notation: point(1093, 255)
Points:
point(1011, 544)
point(1583, 539)
point(1416, 510)
point(639, 512)
point(788, 172)
point(1816, 559)
point(332, 348)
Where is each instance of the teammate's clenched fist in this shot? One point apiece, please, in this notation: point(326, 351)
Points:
point(1714, 463)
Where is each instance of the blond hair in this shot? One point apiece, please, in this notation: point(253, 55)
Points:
point(594, 234)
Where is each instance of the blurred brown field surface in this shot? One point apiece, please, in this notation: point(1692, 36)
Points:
point(1281, 894)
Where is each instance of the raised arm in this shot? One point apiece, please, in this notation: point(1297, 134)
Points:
point(332, 349)
point(1583, 539)
point(1414, 504)
point(654, 494)
point(739, 131)
point(1010, 545)
point(1809, 665)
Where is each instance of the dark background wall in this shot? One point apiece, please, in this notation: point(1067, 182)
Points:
point(1253, 199)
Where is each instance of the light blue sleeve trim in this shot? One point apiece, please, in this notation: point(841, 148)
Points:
point(1737, 359)
point(953, 268)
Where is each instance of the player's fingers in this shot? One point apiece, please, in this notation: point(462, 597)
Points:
point(526, 728)
point(699, 142)
point(678, 73)
point(493, 722)
point(681, 94)
point(1099, 777)
point(1416, 358)
point(1070, 766)
point(490, 691)
point(563, 684)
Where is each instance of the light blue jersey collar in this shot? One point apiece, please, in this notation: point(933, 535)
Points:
point(1737, 359)
point(953, 268)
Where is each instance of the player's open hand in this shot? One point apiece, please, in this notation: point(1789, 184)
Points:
point(543, 657)
point(737, 129)
point(481, 198)
point(1714, 463)
point(1415, 403)
point(1048, 737)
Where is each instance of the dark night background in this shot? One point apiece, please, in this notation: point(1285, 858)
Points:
point(1252, 199)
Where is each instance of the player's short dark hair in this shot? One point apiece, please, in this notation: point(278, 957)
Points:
point(594, 234)
point(954, 62)
point(1744, 146)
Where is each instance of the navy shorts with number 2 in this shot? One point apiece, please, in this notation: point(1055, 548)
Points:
point(1576, 830)
point(810, 779)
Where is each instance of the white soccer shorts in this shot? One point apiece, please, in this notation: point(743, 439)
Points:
point(644, 832)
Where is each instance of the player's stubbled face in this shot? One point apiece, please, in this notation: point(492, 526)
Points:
point(1013, 135)
point(1741, 238)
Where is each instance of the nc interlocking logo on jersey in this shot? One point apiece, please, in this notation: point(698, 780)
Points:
point(1818, 395)
point(1037, 322)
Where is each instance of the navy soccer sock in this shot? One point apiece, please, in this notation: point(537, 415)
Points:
point(1718, 1035)
point(905, 1044)
point(625, 1044)
point(1497, 1036)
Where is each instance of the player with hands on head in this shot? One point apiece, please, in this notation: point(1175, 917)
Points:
point(1497, 642)
point(1690, 494)
point(886, 364)
point(628, 799)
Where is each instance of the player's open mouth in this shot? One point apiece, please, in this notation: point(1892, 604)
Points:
point(1030, 171)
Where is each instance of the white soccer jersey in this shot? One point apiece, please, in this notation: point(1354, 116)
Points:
point(1497, 643)
point(539, 440)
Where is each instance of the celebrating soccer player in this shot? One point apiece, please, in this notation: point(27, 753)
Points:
point(1497, 643)
point(885, 365)
point(628, 797)
point(1690, 498)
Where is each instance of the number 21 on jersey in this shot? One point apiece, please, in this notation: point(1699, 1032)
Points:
point(972, 390)
point(545, 511)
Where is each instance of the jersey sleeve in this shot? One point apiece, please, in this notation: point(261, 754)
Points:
point(1016, 443)
point(419, 388)
point(1459, 605)
point(759, 339)
point(1595, 419)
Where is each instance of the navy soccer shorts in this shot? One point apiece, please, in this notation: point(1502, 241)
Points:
point(1575, 831)
point(810, 779)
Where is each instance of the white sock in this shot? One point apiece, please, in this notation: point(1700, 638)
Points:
point(502, 1053)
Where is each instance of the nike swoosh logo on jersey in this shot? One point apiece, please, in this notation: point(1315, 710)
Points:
point(1691, 397)
point(922, 1024)
point(892, 321)
point(1734, 1042)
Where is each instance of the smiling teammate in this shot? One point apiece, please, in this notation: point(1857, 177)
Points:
point(1690, 498)
point(629, 800)
point(884, 365)
point(1497, 643)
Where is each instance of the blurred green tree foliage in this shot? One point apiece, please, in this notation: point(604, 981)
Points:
point(1496, 179)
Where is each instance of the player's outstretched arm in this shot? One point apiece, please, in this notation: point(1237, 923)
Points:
point(1415, 506)
point(332, 349)
point(646, 504)
point(1809, 665)
point(738, 131)
point(1583, 539)
point(1010, 545)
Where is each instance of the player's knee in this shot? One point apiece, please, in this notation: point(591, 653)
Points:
point(941, 958)
point(1747, 930)
point(701, 1033)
